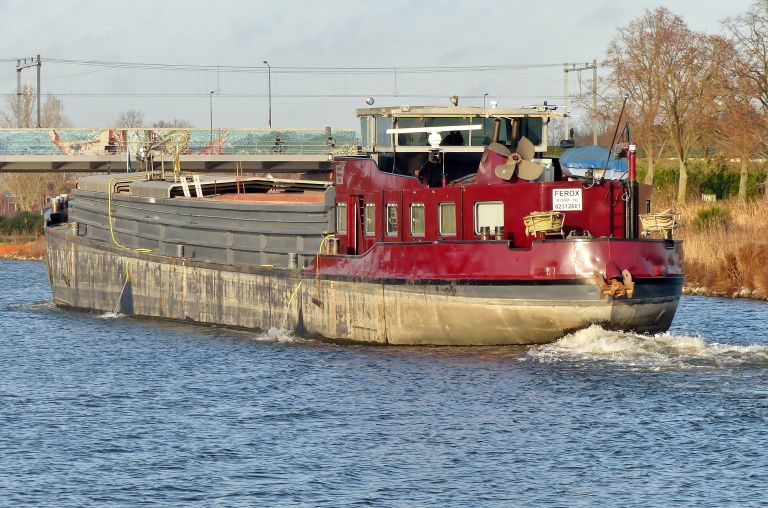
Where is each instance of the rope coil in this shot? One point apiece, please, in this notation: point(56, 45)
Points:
point(659, 221)
point(550, 222)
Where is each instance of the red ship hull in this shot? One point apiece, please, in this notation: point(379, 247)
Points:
point(483, 293)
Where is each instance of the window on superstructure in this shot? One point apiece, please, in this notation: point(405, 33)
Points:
point(417, 219)
point(341, 217)
point(489, 214)
point(370, 219)
point(382, 124)
point(420, 138)
point(447, 212)
point(532, 128)
point(391, 219)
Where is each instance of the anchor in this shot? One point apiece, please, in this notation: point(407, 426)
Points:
point(615, 288)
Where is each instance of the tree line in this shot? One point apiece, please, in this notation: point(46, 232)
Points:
point(692, 90)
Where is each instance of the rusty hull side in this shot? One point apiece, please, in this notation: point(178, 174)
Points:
point(90, 275)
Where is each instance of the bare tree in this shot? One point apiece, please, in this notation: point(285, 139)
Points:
point(51, 113)
point(635, 56)
point(739, 122)
point(556, 132)
point(130, 119)
point(691, 69)
point(176, 123)
point(749, 35)
point(29, 189)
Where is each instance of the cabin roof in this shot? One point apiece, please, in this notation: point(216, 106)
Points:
point(453, 111)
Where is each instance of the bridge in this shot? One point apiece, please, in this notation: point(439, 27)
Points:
point(198, 150)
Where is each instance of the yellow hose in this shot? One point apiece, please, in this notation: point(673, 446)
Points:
point(109, 217)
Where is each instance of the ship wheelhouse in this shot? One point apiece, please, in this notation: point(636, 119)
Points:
point(384, 196)
point(406, 153)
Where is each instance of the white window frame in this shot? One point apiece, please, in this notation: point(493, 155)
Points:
point(341, 226)
point(386, 219)
point(440, 218)
point(423, 219)
point(370, 208)
point(477, 217)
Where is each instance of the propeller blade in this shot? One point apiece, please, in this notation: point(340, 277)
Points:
point(500, 149)
point(506, 171)
point(528, 170)
point(526, 149)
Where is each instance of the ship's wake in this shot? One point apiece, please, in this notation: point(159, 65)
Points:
point(36, 306)
point(661, 351)
point(111, 315)
point(279, 335)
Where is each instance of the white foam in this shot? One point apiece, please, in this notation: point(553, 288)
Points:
point(280, 335)
point(112, 315)
point(44, 305)
point(663, 350)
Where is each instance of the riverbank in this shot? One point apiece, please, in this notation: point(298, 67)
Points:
point(28, 251)
point(726, 245)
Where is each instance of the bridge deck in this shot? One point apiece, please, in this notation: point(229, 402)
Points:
point(102, 150)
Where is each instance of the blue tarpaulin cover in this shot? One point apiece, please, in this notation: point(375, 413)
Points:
point(576, 162)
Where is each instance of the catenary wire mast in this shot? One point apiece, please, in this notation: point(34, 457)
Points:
point(20, 66)
point(593, 114)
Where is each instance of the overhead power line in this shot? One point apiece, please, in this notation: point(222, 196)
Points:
point(298, 69)
point(288, 96)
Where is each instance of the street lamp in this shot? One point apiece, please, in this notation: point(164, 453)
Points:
point(484, 96)
point(210, 101)
point(269, 84)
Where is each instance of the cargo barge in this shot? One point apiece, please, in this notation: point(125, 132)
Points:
point(451, 227)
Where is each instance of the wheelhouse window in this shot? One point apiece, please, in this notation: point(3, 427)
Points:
point(370, 219)
point(417, 219)
point(488, 213)
point(382, 138)
point(456, 138)
point(447, 218)
point(510, 130)
point(341, 217)
point(391, 219)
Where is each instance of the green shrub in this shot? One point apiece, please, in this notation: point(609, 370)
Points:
point(712, 216)
point(25, 223)
point(717, 177)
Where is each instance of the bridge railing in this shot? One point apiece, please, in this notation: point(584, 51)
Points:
point(188, 142)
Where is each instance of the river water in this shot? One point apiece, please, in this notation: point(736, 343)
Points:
point(111, 411)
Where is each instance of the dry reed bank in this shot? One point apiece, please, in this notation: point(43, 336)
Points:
point(29, 251)
point(726, 247)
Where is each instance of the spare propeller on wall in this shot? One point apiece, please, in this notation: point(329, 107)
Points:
point(520, 162)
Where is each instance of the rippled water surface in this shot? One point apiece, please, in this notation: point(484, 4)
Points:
point(105, 410)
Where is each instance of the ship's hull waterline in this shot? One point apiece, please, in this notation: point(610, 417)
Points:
point(90, 275)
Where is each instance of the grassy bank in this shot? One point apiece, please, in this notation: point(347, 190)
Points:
point(726, 247)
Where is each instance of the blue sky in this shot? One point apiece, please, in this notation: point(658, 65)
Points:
point(398, 34)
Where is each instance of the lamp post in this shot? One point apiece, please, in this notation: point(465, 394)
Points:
point(269, 85)
point(484, 96)
point(210, 103)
